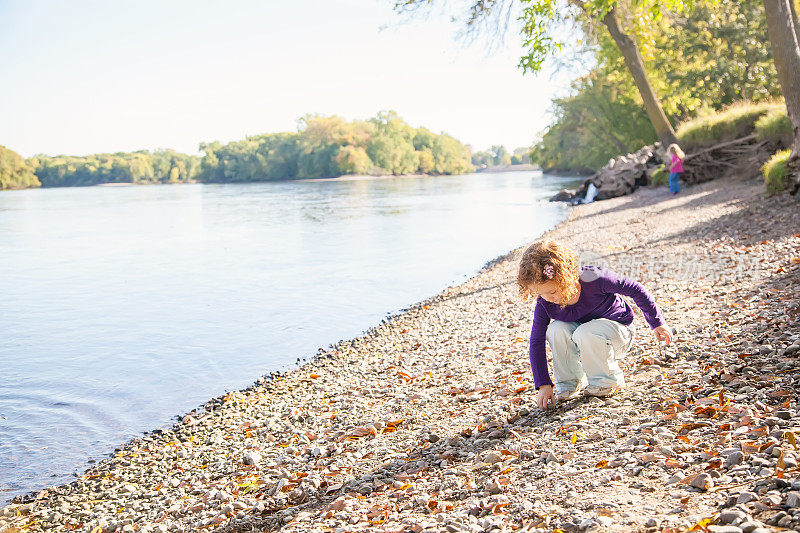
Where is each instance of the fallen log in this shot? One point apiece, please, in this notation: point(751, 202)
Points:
point(743, 156)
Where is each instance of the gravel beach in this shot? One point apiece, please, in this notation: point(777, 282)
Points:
point(428, 422)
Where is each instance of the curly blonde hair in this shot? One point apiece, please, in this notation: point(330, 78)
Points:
point(548, 255)
point(675, 149)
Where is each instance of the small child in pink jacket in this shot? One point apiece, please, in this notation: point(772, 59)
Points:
point(675, 167)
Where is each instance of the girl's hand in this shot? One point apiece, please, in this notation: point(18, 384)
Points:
point(545, 395)
point(663, 333)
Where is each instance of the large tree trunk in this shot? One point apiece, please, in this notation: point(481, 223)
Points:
point(635, 64)
point(793, 8)
point(785, 44)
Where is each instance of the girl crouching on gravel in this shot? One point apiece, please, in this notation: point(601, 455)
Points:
point(580, 313)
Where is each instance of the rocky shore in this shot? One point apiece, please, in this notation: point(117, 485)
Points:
point(428, 423)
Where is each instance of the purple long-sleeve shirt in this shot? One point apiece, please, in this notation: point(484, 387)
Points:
point(600, 290)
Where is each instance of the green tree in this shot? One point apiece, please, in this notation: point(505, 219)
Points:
point(319, 140)
point(353, 160)
point(521, 155)
point(482, 159)
point(427, 163)
point(450, 156)
point(706, 59)
point(391, 146)
point(15, 172)
point(500, 155)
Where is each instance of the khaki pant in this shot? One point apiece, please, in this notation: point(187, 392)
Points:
point(588, 352)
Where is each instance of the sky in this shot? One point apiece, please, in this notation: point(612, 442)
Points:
point(84, 77)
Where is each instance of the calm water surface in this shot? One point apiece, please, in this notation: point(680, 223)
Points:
point(121, 307)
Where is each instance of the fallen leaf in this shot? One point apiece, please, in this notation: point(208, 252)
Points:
point(702, 524)
point(498, 509)
point(706, 412)
point(691, 426)
point(779, 394)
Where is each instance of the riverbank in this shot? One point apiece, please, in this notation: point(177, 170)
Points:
point(489, 170)
point(428, 421)
point(523, 167)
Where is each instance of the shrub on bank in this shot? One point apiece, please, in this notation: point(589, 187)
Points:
point(775, 175)
point(775, 126)
point(737, 120)
point(660, 177)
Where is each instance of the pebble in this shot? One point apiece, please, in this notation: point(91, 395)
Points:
point(723, 529)
point(702, 481)
point(493, 457)
point(252, 458)
point(749, 526)
point(733, 459)
point(732, 516)
point(793, 500)
point(746, 497)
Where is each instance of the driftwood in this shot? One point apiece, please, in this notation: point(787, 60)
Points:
point(741, 140)
point(619, 177)
point(743, 156)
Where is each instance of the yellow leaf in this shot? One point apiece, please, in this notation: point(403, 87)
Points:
point(789, 436)
point(702, 524)
point(574, 438)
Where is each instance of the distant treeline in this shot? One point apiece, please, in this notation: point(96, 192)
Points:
point(161, 166)
point(497, 155)
point(322, 147)
point(331, 146)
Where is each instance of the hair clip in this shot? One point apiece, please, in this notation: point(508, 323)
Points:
point(548, 271)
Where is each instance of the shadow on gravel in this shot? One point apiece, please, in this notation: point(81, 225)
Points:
point(642, 198)
point(775, 222)
point(647, 197)
point(481, 442)
point(476, 291)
